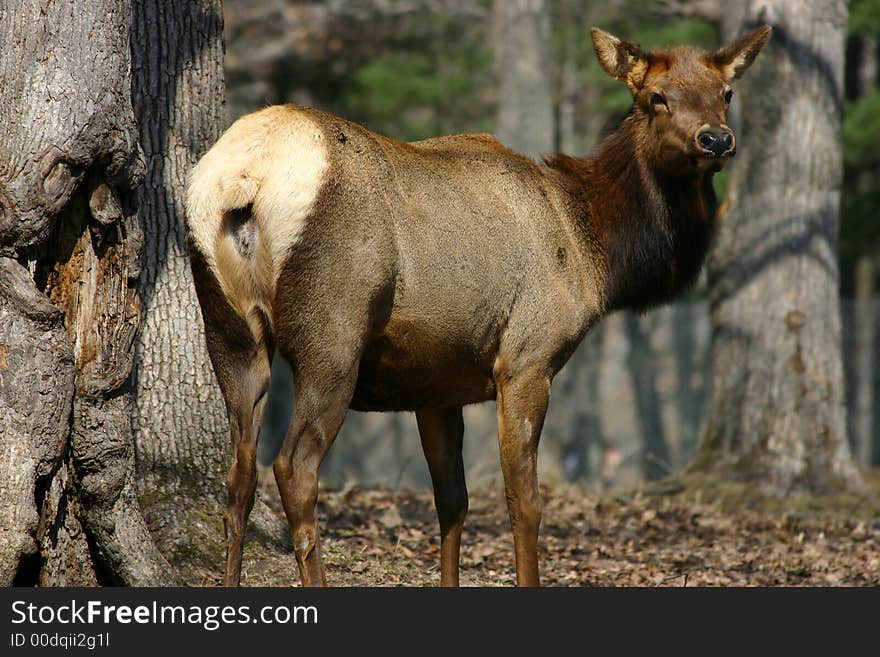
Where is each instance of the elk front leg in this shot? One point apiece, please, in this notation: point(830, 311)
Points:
point(442, 431)
point(522, 404)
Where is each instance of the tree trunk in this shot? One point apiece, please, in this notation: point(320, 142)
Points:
point(69, 306)
point(580, 119)
point(569, 78)
point(864, 315)
point(867, 73)
point(179, 417)
point(643, 375)
point(691, 395)
point(521, 38)
point(582, 380)
point(584, 393)
point(777, 414)
point(865, 338)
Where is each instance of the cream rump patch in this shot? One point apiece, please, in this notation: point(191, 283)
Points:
point(274, 160)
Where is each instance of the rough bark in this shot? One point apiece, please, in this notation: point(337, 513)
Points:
point(778, 408)
point(179, 417)
point(70, 245)
point(521, 42)
point(36, 395)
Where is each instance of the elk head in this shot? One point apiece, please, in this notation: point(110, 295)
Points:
point(681, 97)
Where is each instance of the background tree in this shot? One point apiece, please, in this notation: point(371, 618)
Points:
point(778, 408)
point(521, 42)
point(69, 304)
point(859, 241)
point(643, 374)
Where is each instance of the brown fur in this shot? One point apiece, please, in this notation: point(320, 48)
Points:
point(430, 275)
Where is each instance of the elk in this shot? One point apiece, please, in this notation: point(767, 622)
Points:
point(429, 275)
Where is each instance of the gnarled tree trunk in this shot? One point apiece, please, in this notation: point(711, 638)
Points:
point(69, 305)
point(777, 414)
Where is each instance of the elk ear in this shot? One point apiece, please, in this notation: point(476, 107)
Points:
point(622, 60)
point(733, 60)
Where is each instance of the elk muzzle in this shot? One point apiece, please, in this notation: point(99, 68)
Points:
point(718, 141)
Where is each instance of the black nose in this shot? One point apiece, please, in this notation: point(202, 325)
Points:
point(718, 141)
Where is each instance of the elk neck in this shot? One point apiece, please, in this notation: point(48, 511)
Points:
point(653, 229)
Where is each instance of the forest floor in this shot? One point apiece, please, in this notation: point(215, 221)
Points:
point(697, 533)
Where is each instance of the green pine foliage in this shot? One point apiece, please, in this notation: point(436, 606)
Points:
point(861, 132)
point(864, 17)
point(430, 78)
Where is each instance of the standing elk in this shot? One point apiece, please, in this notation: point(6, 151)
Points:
point(429, 275)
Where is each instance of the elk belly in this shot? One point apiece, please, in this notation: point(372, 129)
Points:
point(414, 367)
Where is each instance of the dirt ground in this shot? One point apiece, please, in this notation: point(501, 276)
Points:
point(675, 534)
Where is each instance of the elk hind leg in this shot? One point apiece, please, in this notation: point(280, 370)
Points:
point(244, 381)
point(245, 416)
point(442, 432)
point(321, 401)
point(240, 354)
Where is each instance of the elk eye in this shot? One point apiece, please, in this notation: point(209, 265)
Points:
point(658, 99)
point(728, 96)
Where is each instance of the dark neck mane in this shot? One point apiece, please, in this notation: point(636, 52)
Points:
point(653, 229)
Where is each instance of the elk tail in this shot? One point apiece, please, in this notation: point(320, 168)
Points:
point(224, 232)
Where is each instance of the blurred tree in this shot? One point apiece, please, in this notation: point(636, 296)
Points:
point(579, 386)
point(578, 124)
point(567, 65)
point(643, 374)
point(521, 43)
point(777, 411)
point(859, 242)
point(579, 117)
point(692, 367)
point(70, 246)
